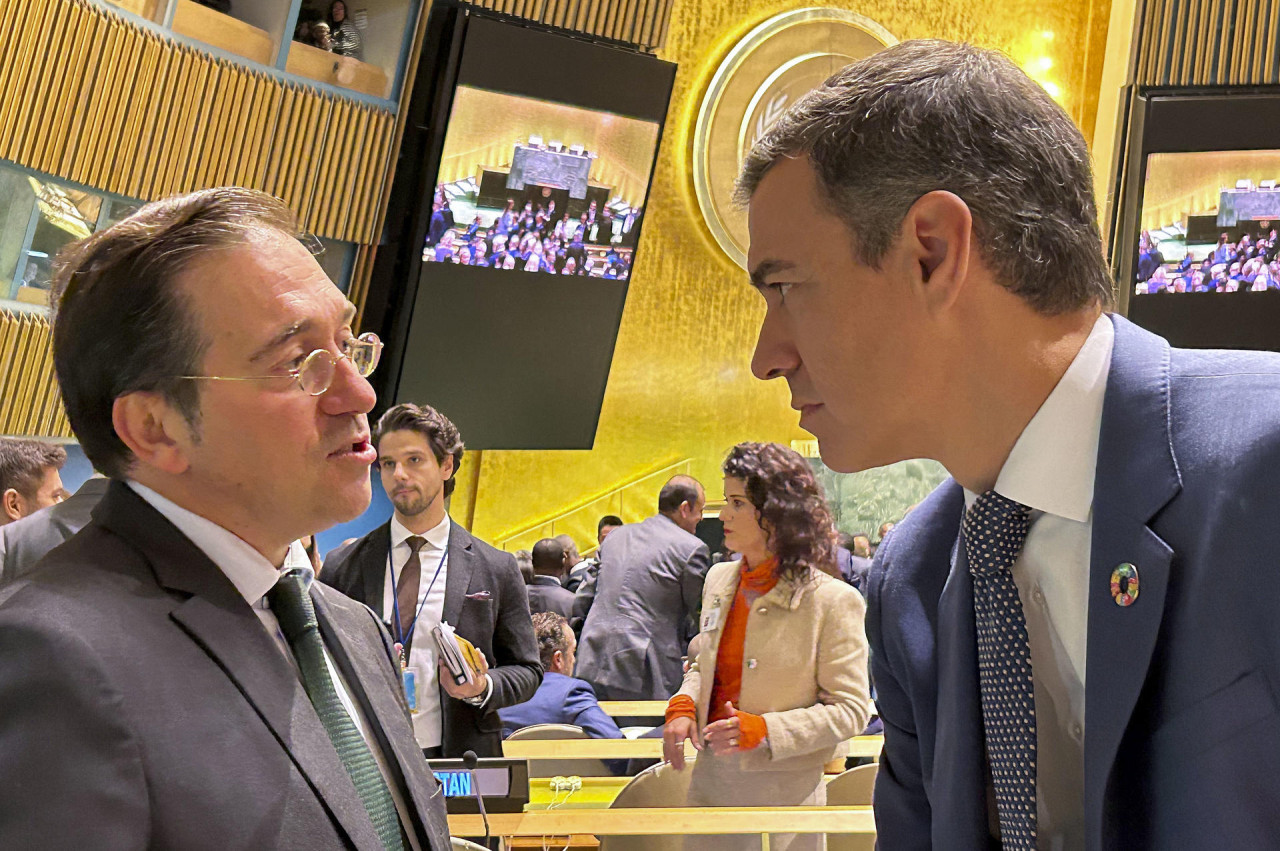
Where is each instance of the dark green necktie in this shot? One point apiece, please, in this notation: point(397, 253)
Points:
point(292, 606)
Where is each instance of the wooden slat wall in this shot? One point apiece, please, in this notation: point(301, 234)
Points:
point(1208, 43)
point(639, 22)
point(103, 101)
point(29, 402)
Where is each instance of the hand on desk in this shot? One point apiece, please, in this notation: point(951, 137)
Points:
point(673, 737)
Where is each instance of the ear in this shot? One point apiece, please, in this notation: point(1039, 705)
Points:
point(937, 233)
point(156, 434)
point(446, 468)
point(557, 659)
point(11, 504)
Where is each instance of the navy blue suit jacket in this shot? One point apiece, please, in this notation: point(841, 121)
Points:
point(561, 700)
point(1182, 735)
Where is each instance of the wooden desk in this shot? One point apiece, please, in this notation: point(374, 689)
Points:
point(596, 793)
point(670, 821)
point(635, 708)
point(634, 748)
point(646, 708)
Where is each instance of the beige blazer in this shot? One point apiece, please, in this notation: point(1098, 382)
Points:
point(804, 666)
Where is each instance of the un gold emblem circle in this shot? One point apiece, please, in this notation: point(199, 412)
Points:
point(763, 74)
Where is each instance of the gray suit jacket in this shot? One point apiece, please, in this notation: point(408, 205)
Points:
point(144, 706)
point(646, 594)
point(546, 594)
point(24, 542)
point(485, 601)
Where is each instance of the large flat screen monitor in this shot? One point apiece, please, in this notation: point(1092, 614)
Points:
point(1202, 255)
point(529, 215)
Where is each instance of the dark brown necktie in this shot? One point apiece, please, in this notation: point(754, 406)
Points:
point(407, 588)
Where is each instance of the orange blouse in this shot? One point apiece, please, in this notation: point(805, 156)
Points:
point(753, 583)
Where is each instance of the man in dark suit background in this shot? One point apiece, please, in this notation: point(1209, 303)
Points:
point(427, 569)
point(173, 677)
point(561, 699)
point(640, 605)
point(26, 541)
point(29, 477)
point(546, 593)
point(1103, 515)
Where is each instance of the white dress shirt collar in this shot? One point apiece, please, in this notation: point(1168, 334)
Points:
point(249, 570)
point(437, 536)
point(1052, 466)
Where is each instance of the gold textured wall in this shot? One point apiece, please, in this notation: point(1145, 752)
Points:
point(486, 125)
point(1169, 196)
point(680, 386)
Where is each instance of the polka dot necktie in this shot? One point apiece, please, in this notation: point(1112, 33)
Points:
point(994, 531)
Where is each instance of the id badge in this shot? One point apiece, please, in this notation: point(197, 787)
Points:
point(410, 681)
point(711, 617)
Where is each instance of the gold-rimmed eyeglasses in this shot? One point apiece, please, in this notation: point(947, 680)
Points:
point(315, 374)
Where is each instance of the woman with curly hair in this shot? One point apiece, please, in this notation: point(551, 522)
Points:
point(780, 678)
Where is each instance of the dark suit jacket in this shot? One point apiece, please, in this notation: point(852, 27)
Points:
point(546, 594)
point(145, 706)
point(24, 542)
point(1182, 737)
point(639, 610)
point(561, 700)
point(484, 600)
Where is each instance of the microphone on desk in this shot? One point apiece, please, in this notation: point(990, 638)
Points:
point(469, 761)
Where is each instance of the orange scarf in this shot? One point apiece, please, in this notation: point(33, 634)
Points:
point(727, 686)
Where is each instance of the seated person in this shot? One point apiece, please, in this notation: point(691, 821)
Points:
point(560, 699)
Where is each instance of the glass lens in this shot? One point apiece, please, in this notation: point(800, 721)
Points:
point(365, 353)
point(316, 372)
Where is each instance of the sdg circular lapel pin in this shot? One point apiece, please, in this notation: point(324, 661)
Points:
point(1124, 585)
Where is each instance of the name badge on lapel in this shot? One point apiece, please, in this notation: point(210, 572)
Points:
point(711, 617)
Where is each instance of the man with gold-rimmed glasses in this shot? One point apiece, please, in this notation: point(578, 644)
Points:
point(173, 676)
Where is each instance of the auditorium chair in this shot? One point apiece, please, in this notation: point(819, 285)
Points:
point(657, 786)
point(852, 789)
point(555, 767)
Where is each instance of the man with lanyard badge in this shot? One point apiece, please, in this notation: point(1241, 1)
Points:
point(421, 569)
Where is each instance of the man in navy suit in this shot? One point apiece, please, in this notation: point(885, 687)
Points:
point(560, 699)
point(933, 189)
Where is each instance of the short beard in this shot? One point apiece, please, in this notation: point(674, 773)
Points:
point(414, 505)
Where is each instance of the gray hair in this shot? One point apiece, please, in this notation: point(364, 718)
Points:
point(932, 115)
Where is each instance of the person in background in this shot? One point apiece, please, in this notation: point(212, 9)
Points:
point(546, 593)
point(852, 566)
point(29, 477)
point(322, 36)
point(780, 679)
point(346, 38)
point(607, 524)
point(24, 542)
point(645, 595)
point(587, 567)
point(560, 699)
point(172, 675)
point(1074, 639)
point(524, 561)
point(421, 569)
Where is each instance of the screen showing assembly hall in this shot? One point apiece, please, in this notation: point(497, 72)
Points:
point(531, 185)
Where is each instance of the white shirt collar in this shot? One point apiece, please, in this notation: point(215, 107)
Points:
point(1052, 466)
point(249, 571)
point(437, 537)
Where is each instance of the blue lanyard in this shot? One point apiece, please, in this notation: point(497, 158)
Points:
point(403, 640)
